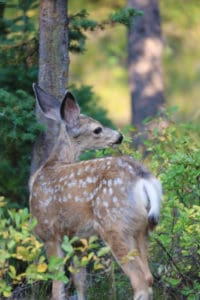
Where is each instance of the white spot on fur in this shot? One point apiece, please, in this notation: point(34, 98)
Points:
point(79, 172)
point(71, 176)
point(105, 190)
point(82, 183)
point(110, 182)
point(89, 179)
point(46, 203)
point(105, 203)
point(115, 199)
point(104, 181)
point(72, 184)
point(98, 200)
point(117, 181)
point(85, 194)
point(87, 168)
point(95, 179)
point(77, 199)
point(110, 191)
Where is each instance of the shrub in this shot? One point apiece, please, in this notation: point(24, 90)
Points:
point(175, 254)
point(18, 130)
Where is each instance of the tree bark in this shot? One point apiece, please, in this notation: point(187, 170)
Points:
point(145, 50)
point(53, 68)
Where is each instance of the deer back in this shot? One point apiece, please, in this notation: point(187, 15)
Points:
point(76, 199)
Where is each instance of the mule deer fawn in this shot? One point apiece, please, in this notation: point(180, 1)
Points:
point(116, 198)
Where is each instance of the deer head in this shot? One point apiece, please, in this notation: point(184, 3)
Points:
point(78, 132)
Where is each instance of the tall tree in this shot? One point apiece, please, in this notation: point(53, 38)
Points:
point(145, 62)
point(53, 67)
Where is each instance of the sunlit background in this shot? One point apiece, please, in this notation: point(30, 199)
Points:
point(104, 63)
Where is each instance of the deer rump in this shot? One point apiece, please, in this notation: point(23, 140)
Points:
point(94, 197)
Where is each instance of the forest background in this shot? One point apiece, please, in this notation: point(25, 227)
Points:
point(99, 75)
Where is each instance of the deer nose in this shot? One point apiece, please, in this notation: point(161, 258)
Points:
point(119, 140)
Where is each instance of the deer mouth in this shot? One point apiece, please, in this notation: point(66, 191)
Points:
point(119, 140)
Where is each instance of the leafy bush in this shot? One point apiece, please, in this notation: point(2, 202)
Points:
point(175, 253)
point(19, 251)
point(22, 258)
point(18, 130)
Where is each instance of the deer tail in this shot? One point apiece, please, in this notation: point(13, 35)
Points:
point(151, 194)
point(153, 191)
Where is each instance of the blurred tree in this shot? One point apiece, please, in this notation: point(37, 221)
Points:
point(53, 68)
point(145, 62)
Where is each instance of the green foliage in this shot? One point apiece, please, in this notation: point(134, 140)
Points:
point(81, 252)
point(22, 258)
point(125, 16)
point(19, 251)
point(174, 250)
point(18, 49)
point(79, 23)
point(18, 130)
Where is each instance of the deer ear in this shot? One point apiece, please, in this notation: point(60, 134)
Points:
point(48, 104)
point(70, 110)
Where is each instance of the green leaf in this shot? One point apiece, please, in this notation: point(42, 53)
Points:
point(103, 251)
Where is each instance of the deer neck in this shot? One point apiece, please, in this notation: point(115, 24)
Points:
point(65, 150)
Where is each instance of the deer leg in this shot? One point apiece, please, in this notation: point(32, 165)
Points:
point(58, 288)
point(133, 267)
point(143, 246)
point(79, 280)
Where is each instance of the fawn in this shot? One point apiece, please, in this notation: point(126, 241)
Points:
point(116, 198)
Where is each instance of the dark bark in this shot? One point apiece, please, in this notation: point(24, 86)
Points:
point(53, 68)
point(145, 62)
point(2, 25)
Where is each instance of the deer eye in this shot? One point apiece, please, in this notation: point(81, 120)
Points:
point(97, 130)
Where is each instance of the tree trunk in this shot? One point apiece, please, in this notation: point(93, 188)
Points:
point(145, 62)
point(53, 68)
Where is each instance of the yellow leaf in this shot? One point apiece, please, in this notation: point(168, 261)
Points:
point(5, 234)
point(12, 270)
point(2, 203)
point(72, 269)
point(41, 268)
point(124, 260)
point(84, 242)
point(98, 266)
point(133, 253)
point(7, 294)
point(130, 256)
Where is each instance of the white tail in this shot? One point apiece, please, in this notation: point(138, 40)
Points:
point(114, 197)
point(150, 192)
